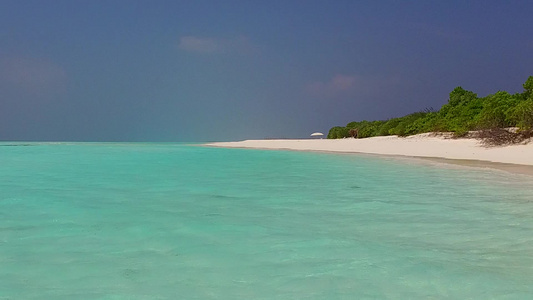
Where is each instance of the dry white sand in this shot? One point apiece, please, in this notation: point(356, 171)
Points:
point(422, 145)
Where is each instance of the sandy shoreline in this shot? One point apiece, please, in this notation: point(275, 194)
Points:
point(516, 158)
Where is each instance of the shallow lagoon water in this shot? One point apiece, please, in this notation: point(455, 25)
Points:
point(174, 221)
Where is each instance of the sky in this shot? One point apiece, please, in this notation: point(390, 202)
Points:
point(194, 71)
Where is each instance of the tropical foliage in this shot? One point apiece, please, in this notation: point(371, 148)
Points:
point(464, 112)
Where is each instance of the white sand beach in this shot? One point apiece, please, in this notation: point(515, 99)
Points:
point(425, 145)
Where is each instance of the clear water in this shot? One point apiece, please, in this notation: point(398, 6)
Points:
point(170, 221)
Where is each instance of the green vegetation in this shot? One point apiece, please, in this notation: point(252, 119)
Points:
point(464, 112)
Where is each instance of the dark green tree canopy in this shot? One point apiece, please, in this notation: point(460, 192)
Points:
point(464, 112)
point(460, 96)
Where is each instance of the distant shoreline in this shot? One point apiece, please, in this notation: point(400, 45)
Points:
point(466, 152)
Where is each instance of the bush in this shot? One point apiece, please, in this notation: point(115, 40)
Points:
point(496, 110)
point(387, 126)
point(522, 114)
point(463, 112)
point(422, 125)
point(338, 133)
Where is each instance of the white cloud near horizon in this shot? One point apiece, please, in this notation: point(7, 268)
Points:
point(207, 45)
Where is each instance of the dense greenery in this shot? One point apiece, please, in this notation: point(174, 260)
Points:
point(464, 112)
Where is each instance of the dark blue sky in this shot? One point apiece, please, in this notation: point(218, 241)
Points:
point(229, 70)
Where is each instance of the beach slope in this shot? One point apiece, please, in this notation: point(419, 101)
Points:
point(423, 145)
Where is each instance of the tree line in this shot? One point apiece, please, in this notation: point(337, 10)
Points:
point(464, 112)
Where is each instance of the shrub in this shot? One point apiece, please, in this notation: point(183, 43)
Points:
point(463, 112)
point(495, 111)
point(522, 114)
point(338, 133)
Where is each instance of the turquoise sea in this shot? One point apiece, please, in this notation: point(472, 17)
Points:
point(177, 221)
